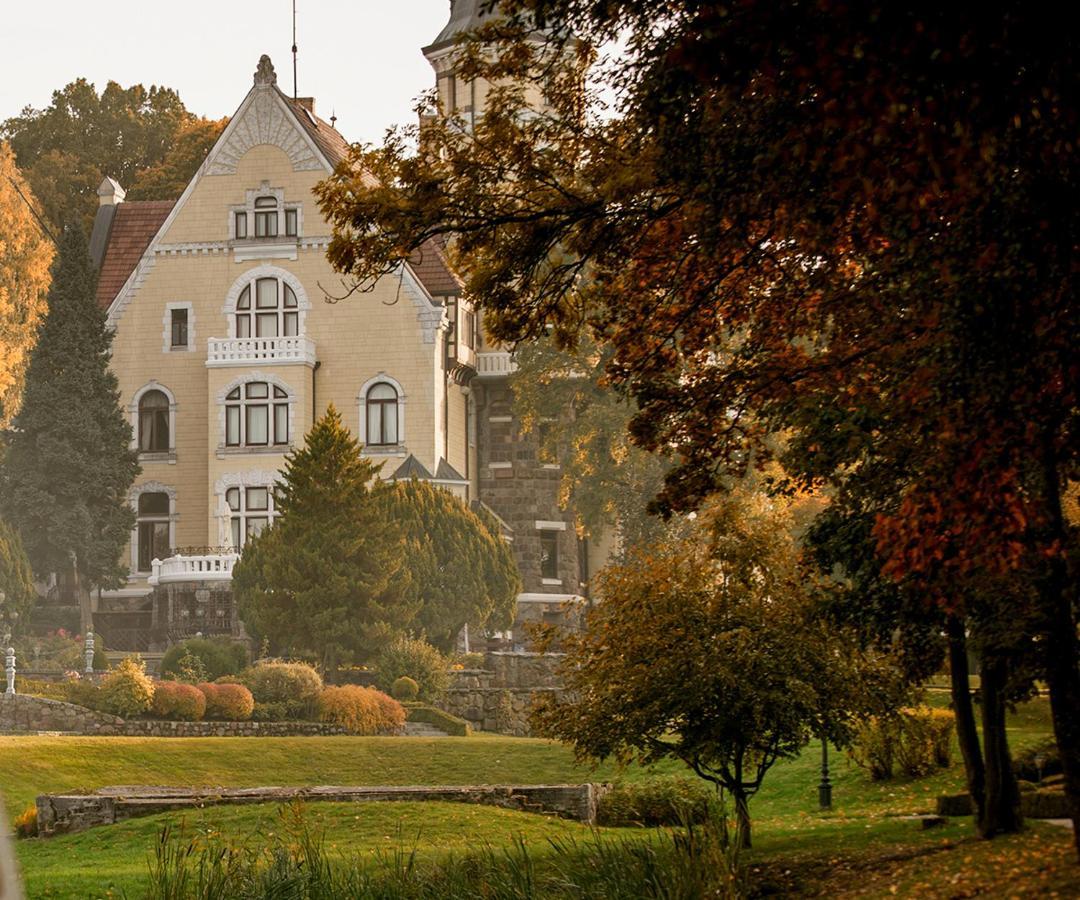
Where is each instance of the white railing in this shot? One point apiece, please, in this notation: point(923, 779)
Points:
point(245, 351)
point(497, 364)
point(206, 567)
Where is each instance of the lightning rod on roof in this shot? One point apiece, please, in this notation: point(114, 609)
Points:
point(294, 49)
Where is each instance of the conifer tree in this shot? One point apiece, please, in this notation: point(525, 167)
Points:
point(327, 578)
point(463, 572)
point(16, 583)
point(70, 465)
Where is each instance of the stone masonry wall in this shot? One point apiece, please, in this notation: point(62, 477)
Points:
point(23, 713)
point(499, 696)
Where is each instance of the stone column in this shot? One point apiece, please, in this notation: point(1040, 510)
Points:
point(89, 651)
point(9, 670)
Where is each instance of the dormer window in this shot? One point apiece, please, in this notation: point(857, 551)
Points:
point(266, 217)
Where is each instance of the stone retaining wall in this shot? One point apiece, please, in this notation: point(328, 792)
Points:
point(23, 713)
point(504, 710)
point(65, 813)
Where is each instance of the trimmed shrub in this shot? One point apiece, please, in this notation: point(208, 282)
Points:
point(915, 741)
point(419, 661)
point(177, 701)
point(126, 691)
point(655, 802)
point(203, 659)
point(283, 711)
point(431, 715)
point(404, 688)
point(227, 702)
point(1023, 762)
point(52, 690)
point(281, 682)
point(26, 822)
point(361, 710)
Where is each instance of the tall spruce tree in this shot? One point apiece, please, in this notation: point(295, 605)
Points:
point(69, 466)
point(327, 579)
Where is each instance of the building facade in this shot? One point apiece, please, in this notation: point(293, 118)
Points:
point(230, 341)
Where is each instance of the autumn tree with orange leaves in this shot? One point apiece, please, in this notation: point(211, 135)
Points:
point(855, 224)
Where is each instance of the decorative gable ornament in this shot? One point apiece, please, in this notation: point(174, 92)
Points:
point(265, 73)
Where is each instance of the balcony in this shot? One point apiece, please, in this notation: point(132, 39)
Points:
point(497, 364)
point(278, 351)
point(201, 567)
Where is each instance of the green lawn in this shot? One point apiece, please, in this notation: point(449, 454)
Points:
point(795, 844)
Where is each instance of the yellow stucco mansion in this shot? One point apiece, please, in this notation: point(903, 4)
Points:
point(227, 349)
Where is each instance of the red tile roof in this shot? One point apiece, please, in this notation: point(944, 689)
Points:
point(433, 269)
point(329, 140)
point(133, 227)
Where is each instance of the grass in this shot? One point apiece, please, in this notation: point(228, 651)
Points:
point(859, 849)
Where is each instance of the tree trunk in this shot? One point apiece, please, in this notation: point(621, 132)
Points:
point(1001, 812)
point(742, 819)
point(967, 732)
point(1061, 656)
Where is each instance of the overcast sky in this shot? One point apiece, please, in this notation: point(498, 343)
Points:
point(360, 58)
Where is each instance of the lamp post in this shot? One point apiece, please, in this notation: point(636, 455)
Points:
point(824, 790)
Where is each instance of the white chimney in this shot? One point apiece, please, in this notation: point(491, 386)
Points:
point(110, 193)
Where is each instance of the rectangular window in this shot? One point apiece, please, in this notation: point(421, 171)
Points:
point(266, 293)
point(291, 217)
point(153, 543)
point(258, 499)
point(257, 425)
point(549, 554)
point(292, 324)
point(266, 325)
point(467, 329)
point(255, 525)
point(243, 326)
point(241, 225)
point(179, 330)
point(266, 224)
point(281, 423)
point(232, 426)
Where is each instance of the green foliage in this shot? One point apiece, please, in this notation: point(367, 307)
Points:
point(283, 711)
point(1024, 762)
point(66, 475)
point(282, 682)
point(53, 690)
point(144, 138)
point(16, 582)
point(655, 802)
point(417, 660)
point(228, 702)
point(58, 651)
point(461, 570)
point(432, 715)
point(404, 688)
point(361, 710)
point(174, 700)
point(327, 578)
point(126, 691)
point(915, 741)
point(210, 658)
point(25, 255)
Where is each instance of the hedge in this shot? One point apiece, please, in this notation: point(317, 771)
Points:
point(430, 715)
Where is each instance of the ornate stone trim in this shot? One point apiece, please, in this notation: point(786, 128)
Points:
point(265, 121)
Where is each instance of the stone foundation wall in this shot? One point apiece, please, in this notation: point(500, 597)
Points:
point(22, 713)
point(65, 813)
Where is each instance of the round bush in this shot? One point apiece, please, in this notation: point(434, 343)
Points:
point(419, 661)
point(361, 710)
point(177, 701)
point(279, 682)
point(405, 688)
point(127, 691)
point(654, 802)
point(228, 702)
point(218, 657)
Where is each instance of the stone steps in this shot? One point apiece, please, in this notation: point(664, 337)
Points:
point(423, 729)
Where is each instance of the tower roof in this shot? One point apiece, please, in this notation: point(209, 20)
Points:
point(465, 15)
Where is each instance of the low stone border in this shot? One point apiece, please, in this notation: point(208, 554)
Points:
point(1033, 805)
point(66, 813)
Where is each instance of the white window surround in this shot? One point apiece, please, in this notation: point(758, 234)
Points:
point(150, 487)
point(248, 206)
point(166, 335)
point(133, 411)
point(536, 597)
point(255, 375)
point(504, 464)
point(500, 418)
point(557, 582)
point(249, 278)
point(361, 400)
point(550, 526)
point(253, 478)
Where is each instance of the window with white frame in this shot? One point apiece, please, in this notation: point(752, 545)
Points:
point(549, 555)
point(267, 308)
point(251, 509)
point(265, 215)
point(256, 415)
point(154, 422)
point(382, 415)
point(152, 528)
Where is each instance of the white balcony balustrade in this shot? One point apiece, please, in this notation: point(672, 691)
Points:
point(201, 567)
point(496, 364)
point(281, 351)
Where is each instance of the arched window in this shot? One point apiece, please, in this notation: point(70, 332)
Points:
point(153, 528)
point(251, 510)
point(273, 308)
point(382, 415)
point(153, 422)
point(256, 415)
point(266, 221)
